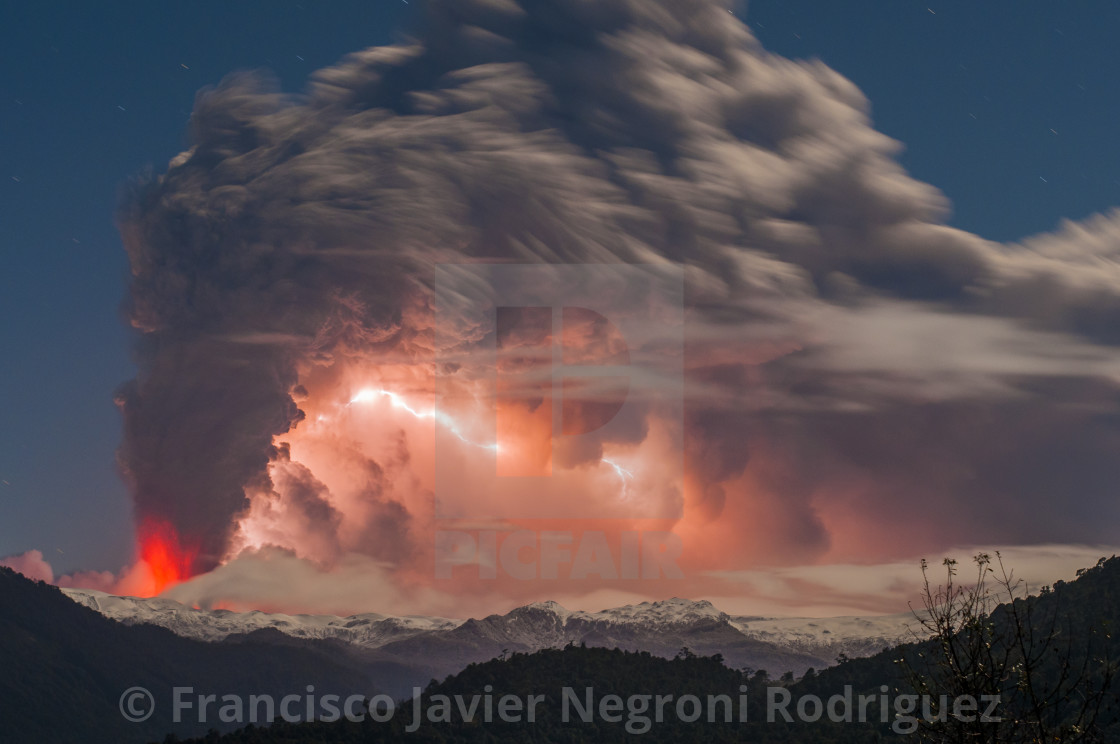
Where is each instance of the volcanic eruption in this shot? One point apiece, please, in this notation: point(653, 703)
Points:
point(288, 345)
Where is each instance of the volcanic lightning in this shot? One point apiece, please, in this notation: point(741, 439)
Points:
point(370, 394)
point(367, 395)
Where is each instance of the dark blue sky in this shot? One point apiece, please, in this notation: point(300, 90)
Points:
point(1008, 106)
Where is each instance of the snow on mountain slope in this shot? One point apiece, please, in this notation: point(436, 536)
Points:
point(538, 625)
point(371, 630)
point(673, 611)
point(374, 630)
point(829, 637)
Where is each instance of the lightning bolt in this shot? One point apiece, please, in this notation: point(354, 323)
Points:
point(368, 395)
point(623, 474)
point(371, 394)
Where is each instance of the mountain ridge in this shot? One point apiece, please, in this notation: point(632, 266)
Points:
point(66, 667)
point(661, 627)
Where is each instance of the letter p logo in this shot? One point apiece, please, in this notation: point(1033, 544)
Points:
point(554, 369)
point(561, 373)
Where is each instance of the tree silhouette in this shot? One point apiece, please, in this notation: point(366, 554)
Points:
point(991, 640)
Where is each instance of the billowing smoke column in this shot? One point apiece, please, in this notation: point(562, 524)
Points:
point(285, 263)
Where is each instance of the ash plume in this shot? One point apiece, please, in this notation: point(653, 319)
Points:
point(295, 242)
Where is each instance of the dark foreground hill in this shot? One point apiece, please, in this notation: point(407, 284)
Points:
point(864, 696)
point(63, 669)
point(571, 687)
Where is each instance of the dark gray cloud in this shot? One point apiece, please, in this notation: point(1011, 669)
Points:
point(301, 228)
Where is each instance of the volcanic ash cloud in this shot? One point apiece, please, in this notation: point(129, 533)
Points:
point(284, 266)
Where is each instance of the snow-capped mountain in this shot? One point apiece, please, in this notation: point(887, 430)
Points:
point(368, 631)
point(417, 649)
point(852, 636)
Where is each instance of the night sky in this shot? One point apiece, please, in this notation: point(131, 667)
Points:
point(69, 69)
point(1010, 108)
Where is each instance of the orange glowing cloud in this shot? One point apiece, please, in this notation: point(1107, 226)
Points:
point(167, 561)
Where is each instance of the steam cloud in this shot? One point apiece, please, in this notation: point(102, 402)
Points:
point(862, 380)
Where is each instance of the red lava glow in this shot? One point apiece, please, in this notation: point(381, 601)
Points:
point(167, 560)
